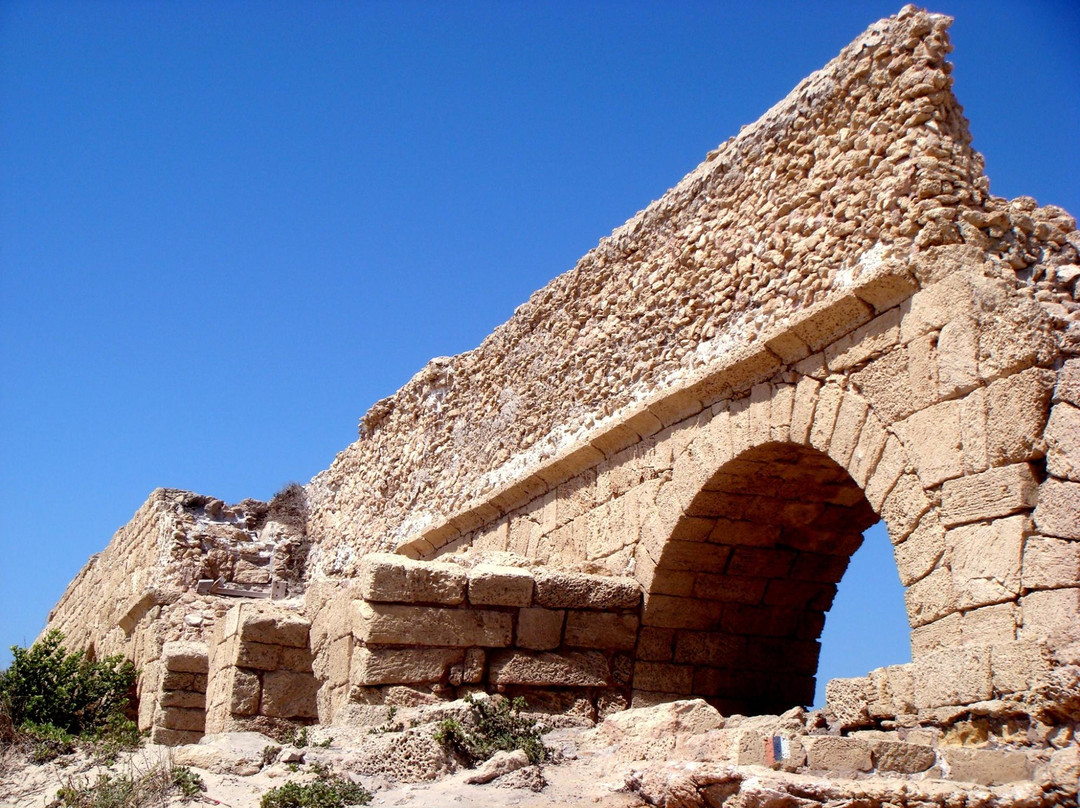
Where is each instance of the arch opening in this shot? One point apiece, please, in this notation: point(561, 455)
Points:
point(736, 606)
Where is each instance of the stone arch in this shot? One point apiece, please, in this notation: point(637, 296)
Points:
point(769, 499)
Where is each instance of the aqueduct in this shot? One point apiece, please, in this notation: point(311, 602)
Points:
point(647, 484)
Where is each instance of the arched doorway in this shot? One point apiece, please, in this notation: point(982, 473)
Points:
point(736, 606)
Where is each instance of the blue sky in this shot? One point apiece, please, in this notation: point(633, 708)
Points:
point(226, 229)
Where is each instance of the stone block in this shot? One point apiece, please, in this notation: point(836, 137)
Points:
point(1063, 442)
point(188, 699)
point(1017, 408)
point(296, 659)
point(934, 440)
point(287, 694)
point(825, 412)
point(829, 321)
point(891, 691)
point(665, 611)
point(575, 590)
point(385, 666)
point(243, 691)
point(952, 676)
point(802, 409)
point(847, 702)
point(884, 383)
point(1019, 665)
point(986, 766)
point(545, 669)
point(474, 666)
point(180, 718)
point(997, 492)
point(1051, 614)
point(902, 758)
point(1068, 383)
point(339, 661)
point(656, 644)
point(660, 676)
point(256, 655)
point(540, 629)
point(931, 598)
point(395, 624)
point(391, 578)
point(957, 358)
point(973, 431)
point(271, 626)
point(190, 657)
point(943, 633)
point(178, 680)
point(985, 560)
point(989, 625)
point(709, 648)
point(864, 343)
point(1056, 513)
point(918, 554)
point(836, 754)
point(174, 737)
point(589, 629)
point(1050, 563)
point(491, 585)
point(904, 506)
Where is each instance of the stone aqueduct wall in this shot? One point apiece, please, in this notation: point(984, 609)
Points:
point(829, 322)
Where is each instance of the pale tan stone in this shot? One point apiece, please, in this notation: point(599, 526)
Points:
point(390, 578)
point(985, 560)
point(1050, 563)
point(952, 676)
point(1019, 665)
point(422, 625)
point(864, 343)
point(835, 754)
point(904, 507)
point(500, 586)
point(930, 598)
point(1051, 614)
point(942, 633)
point(802, 409)
point(825, 412)
point(1059, 505)
point(287, 694)
point(932, 436)
point(665, 677)
point(780, 412)
point(273, 626)
point(540, 629)
point(570, 590)
point(892, 464)
point(868, 450)
point(987, 766)
point(191, 657)
point(989, 495)
point(383, 666)
point(1063, 442)
point(1017, 408)
point(885, 384)
point(918, 554)
point(973, 431)
point(569, 669)
point(847, 702)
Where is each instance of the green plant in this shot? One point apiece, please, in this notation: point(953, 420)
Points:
point(298, 738)
point(44, 742)
point(47, 685)
point(324, 743)
point(118, 734)
point(187, 782)
point(328, 790)
point(390, 725)
point(269, 754)
point(495, 725)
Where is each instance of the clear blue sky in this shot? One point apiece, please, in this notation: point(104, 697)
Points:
point(226, 229)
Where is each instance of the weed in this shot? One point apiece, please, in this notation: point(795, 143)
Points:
point(495, 725)
point(328, 790)
point(324, 743)
point(269, 754)
point(298, 738)
point(131, 789)
point(44, 742)
point(390, 725)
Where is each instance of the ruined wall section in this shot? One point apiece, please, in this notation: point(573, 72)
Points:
point(866, 161)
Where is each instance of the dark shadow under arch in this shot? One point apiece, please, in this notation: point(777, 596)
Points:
point(737, 603)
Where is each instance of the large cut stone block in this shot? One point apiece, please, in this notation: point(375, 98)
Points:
point(571, 669)
point(263, 623)
point(953, 676)
point(540, 629)
point(576, 590)
point(1059, 504)
point(833, 754)
point(190, 657)
point(985, 560)
point(393, 624)
point(391, 578)
point(997, 492)
point(847, 702)
point(1051, 614)
point(1050, 563)
point(986, 766)
point(588, 629)
point(391, 666)
point(490, 585)
point(287, 694)
point(1063, 442)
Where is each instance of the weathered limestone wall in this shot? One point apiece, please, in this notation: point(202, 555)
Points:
point(866, 163)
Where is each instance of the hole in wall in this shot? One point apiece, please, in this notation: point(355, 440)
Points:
point(867, 626)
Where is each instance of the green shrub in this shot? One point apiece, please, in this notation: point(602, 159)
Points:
point(327, 791)
point(44, 742)
point(496, 725)
point(45, 685)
